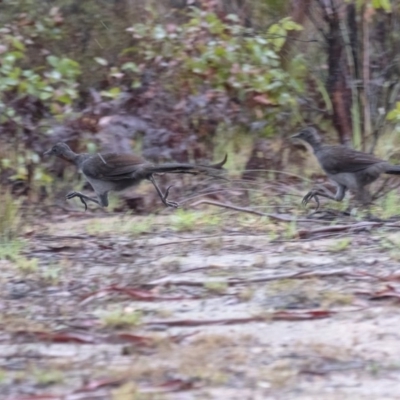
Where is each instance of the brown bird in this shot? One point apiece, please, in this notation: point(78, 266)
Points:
point(115, 172)
point(349, 169)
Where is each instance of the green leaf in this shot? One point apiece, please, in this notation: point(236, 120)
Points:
point(28, 73)
point(10, 81)
point(6, 163)
point(384, 4)
point(232, 17)
point(220, 51)
point(101, 61)
point(67, 68)
point(277, 36)
point(52, 60)
point(35, 158)
point(112, 93)
point(71, 92)
point(130, 66)
point(159, 32)
point(18, 44)
point(64, 98)
point(55, 75)
point(45, 95)
point(395, 113)
point(290, 25)
point(15, 73)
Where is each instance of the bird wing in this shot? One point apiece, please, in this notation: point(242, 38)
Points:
point(113, 166)
point(339, 159)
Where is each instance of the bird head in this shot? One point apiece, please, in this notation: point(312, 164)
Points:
point(61, 150)
point(309, 135)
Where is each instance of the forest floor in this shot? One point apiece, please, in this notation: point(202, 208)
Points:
point(208, 303)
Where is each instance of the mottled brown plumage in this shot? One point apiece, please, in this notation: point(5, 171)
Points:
point(349, 169)
point(115, 172)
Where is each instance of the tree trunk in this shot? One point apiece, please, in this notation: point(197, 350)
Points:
point(338, 73)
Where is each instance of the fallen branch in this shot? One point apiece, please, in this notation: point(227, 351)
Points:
point(136, 294)
point(254, 212)
point(390, 292)
point(384, 278)
point(304, 233)
point(293, 315)
point(384, 189)
point(239, 281)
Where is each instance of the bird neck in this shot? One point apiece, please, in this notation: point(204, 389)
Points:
point(70, 156)
point(315, 144)
point(80, 158)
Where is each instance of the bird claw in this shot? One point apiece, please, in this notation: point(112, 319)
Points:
point(308, 197)
point(71, 195)
point(172, 204)
point(168, 203)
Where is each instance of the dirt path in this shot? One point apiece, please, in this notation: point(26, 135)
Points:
point(216, 306)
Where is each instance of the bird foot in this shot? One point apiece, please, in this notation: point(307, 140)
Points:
point(312, 194)
point(168, 203)
point(71, 195)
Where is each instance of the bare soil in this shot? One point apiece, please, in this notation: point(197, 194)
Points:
point(210, 304)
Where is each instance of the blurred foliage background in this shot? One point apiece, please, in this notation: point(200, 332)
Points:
point(189, 79)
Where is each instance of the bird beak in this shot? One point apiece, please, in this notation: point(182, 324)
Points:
point(296, 136)
point(47, 153)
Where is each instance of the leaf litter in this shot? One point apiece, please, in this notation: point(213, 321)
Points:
point(205, 308)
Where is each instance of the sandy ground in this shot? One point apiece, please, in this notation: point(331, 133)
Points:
point(202, 305)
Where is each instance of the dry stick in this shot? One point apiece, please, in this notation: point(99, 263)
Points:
point(314, 20)
point(239, 281)
point(304, 233)
point(302, 178)
point(204, 322)
point(203, 194)
point(295, 315)
point(191, 198)
point(324, 236)
point(250, 211)
point(381, 192)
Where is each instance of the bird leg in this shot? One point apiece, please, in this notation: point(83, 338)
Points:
point(163, 197)
point(82, 198)
point(324, 192)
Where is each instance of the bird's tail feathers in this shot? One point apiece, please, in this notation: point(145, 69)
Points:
point(393, 170)
point(214, 170)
